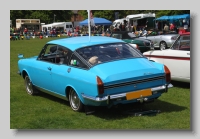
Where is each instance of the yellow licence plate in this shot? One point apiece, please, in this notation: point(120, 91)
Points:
point(138, 94)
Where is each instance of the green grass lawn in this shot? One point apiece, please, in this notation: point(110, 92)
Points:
point(47, 112)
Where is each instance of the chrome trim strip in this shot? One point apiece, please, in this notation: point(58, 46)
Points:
point(134, 82)
point(51, 93)
point(105, 98)
point(161, 87)
point(98, 99)
point(118, 96)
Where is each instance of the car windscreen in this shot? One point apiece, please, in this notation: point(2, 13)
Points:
point(108, 52)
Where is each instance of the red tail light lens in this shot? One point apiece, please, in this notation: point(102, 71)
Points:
point(100, 85)
point(167, 74)
point(137, 47)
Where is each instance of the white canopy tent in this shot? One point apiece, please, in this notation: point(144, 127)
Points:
point(50, 26)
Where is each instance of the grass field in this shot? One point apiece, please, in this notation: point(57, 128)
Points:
point(47, 112)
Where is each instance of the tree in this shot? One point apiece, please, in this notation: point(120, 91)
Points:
point(45, 16)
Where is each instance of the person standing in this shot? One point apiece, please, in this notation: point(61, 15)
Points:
point(171, 27)
point(156, 25)
point(166, 28)
point(135, 25)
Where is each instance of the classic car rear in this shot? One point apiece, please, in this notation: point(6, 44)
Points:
point(177, 58)
point(100, 71)
point(141, 44)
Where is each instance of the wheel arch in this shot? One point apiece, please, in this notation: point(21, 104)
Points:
point(162, 41)
point(24, 73)
point(67, 90)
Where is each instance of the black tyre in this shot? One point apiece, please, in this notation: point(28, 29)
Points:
point(74, 101)
point(30, 89)
point(163, 45)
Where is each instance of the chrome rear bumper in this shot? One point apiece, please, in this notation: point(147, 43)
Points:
point(117, 96)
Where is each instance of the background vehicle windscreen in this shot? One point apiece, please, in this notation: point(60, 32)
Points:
point(182, 43)
point(108, 52)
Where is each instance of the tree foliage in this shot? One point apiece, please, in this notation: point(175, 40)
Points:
point(47, 16)
point(110, 14)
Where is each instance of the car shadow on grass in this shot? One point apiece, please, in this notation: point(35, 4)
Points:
point(52, 98)
point(180, 84)
point(148, 109)
point(124, 111)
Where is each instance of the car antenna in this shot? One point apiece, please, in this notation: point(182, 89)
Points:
point(89, 22)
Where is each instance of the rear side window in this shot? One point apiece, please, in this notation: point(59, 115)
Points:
point(108, 52)
point(76, 62)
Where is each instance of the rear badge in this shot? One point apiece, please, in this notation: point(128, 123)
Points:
point(147, 73)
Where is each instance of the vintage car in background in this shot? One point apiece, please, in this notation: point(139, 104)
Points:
point(94, 71)
point(177, 58)
point(161, 40)
point(141, 44)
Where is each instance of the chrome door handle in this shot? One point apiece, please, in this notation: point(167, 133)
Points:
point(68, 70)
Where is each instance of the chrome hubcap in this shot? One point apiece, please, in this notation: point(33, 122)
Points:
point(28, 84)
point(162, 47)
point(74, 100)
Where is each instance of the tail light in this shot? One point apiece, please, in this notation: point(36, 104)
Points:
point(100, 85)
point(167, 74)
point(137, 47)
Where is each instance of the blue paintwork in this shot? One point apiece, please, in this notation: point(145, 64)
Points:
point(74, 43)
point(83, 81)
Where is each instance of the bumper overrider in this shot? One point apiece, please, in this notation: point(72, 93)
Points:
point(155, 92)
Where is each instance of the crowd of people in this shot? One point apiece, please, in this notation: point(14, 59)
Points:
point(20, 33)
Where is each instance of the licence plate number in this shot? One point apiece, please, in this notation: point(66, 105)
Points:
point(138, 94)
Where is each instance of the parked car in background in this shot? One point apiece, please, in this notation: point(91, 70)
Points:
point(94, 71)
point(177, 58)
point(161, 40)
point(141, 44)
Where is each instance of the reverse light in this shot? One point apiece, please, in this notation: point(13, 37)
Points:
point(100, 85)
point(167, 74)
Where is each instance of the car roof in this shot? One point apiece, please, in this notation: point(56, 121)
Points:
point(74, 43)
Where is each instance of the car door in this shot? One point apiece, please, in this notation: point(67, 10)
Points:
point(67, 74)
point(42, 77)
point(45, 64)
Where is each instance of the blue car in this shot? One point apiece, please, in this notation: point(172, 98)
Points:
point(94, 71)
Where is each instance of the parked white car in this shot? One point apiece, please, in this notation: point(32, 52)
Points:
point(177, 58)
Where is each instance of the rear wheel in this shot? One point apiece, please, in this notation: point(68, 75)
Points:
point(163, 45)
point(30, 89)
point(74, 101)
